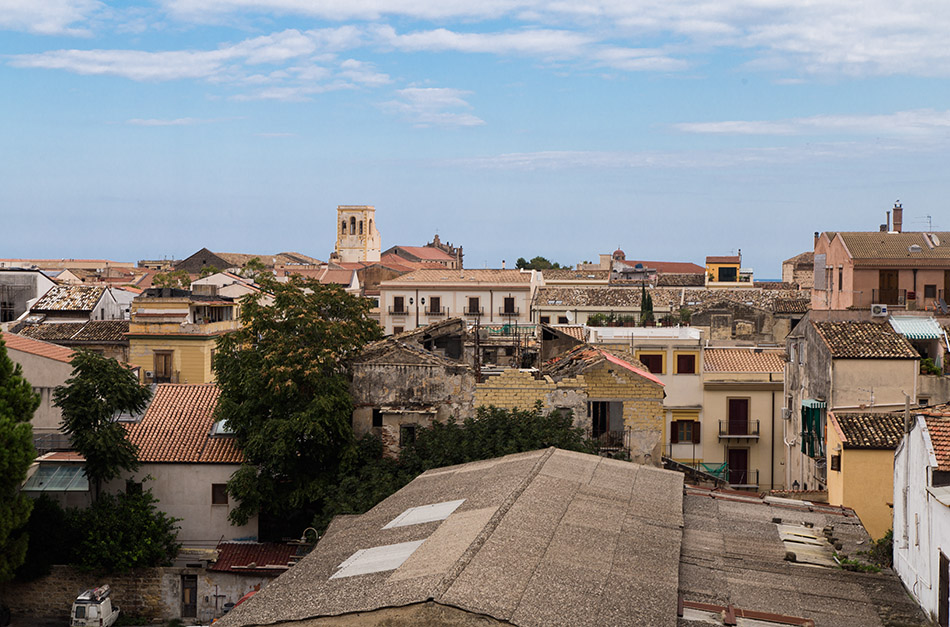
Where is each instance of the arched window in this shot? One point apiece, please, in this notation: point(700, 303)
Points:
point(361, 227)
point(343, 227)
point(352, 226)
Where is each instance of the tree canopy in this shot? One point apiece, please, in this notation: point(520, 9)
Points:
point(17, 404)
point(174, 278)
point(537, 263)
point(285, 392)
point(91, 400)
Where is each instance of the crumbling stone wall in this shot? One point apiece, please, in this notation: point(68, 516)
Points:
point(137, 594)
point(519, 389)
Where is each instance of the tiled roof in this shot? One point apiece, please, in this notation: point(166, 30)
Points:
point(851, 339)
point(241, 259)
point(69, 298)
point(90, 331)
point(875, 245)
point(177, 426)
point(462, 276)
point(237, 557)
point(939, 429)
point(563, 274)
point(680, 279)
point(36, 347)
point(694, 298)
point(872, 430)
point(726, 259)
point(802, 260)
point(743, 360)
point(791, 305)
point(426, 252)
point(581, 358)
point(668, 267)
point(576, 331)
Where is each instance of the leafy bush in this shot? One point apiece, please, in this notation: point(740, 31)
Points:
point(53, 538)
point(882, 550)
point(927, 366)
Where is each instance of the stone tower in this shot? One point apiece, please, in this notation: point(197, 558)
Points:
point(356, 236)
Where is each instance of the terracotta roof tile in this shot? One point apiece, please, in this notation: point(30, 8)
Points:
point(581, 358)
point(680, 279)
point(939, 429)
point(461, 276)
point(235, 557)
point(425, 252)
point(36, 347)
point(669, 267)
point(792, 305)
point(564, 274)
point(69, 298)
point(726, 259)
point(693, 298)
point(90, 331)
point(50, 332)
point(177, 426)
point(851, 339)
point(871, 430)
point(805, 260)
point(896, 246)
point(743, 360)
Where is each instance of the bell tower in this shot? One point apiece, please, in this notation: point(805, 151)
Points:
point(356, 236)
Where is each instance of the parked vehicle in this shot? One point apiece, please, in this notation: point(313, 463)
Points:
point(93, 608)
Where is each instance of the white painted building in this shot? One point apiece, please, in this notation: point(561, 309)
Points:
point(922, 513)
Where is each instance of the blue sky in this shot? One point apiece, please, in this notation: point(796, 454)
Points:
point(673, 129)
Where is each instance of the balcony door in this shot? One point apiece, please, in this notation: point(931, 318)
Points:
point(738, 416)
point(888, 283)
point(739, 466)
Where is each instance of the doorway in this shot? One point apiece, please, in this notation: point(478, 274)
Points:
point(739, 466)
point(189, 596)
point(738, 416)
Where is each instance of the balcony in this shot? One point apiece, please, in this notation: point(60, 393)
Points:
point(513, 313)
point(739, 429)
point(401, 311)
point(608, 441)
point(433, 311)
point(742, 478)
point(889, 297)
point(474, 312)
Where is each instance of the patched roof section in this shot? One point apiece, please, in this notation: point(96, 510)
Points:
point(897, 246)
point(69, 298)
point(562, 274)
point(680, 279)
point(939, 429)
point(791, 305)
point(91, 331)
point(253, 557)
point(584, 357)
point(36, 347)
point(804, 261)
point(675, 297)
point(850, 339)
point(871, 430)
point(176, 427)
point(743, 360)
point(432, 275)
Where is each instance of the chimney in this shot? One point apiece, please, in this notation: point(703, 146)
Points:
point(888, 225)
point(898, 216)
point(816, 239)
point(502, 264)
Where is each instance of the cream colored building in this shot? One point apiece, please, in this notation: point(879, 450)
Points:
point(743, 426)
point(357, 238)
point(491, 297)
point(45, 366)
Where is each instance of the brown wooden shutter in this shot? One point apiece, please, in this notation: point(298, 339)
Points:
point(675, 432)
point(696, 430)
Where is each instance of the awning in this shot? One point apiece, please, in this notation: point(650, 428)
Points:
point(917, 328)
point(811, 403)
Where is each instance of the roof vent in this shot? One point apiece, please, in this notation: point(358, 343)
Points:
point(914, 248)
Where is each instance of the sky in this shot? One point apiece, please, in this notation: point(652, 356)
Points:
point(672, 129)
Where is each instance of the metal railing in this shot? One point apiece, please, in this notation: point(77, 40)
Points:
point(738, 429)
point(398, 312)
point(480, 311)
point(609, 441)
point(742, 478)
point(502, 311)
point(889, 297)
point(432, 311)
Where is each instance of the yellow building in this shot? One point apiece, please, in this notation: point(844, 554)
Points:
point(173, 332)
point(743, 427)
point(727, 272)
point(860, 456)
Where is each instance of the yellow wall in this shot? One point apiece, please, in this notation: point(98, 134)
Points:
point(712, 270)
point(191, 357)
point(865, 484)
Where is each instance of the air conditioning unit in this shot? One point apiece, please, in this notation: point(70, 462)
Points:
point(149, 375)
point(878, 311)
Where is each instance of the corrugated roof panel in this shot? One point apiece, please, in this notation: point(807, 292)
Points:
point(916, 328)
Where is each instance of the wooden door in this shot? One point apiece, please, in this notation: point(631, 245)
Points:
point(738, 466)
point(943, 598)
point(189, 596)
point(887, 284)
point(738, 416)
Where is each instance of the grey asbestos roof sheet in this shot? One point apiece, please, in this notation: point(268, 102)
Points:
point(543, 538)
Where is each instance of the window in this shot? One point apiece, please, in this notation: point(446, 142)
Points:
point(377, 417)
point(133, 487)
point(684, 432)
point(653, 361)
point(6, 311)
point(399, 304)
point(407, 434)
point(510, 305)
point(343, 227)
point(473, 305)
point(163, 366)
point(840, 277)
point(836, 462)
point(398, 330)
point(352, 226)
point(545, 319)
point(930, 291)
point(435, 304)
point(219, 494)
point(685, 363)
point(361, 227)
point(562, 319)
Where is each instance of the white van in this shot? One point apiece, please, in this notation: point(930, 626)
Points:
point(93, 608)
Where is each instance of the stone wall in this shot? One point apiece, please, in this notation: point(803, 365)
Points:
point(138, 593)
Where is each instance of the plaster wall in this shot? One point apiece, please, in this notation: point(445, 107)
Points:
point(454, 301)
point(44, 374)
point(865, 484)
point(855, 380)
point(184, 491)
point(191, 355)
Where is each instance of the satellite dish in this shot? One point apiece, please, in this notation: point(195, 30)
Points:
point(935, 239)
point(569, 317)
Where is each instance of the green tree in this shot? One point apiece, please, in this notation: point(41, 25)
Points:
point(17, 404)
point(176, 278)
point(54, 537)
point(207, 271)
point(646, 306)
point(99, 390)
point(285, 393)
point(122, 532)
point(537, 263)
point(253, 268)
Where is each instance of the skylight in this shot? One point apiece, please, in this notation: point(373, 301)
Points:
point(377, 559)
point(424, 514)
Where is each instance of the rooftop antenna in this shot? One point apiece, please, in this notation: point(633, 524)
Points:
point(929, 219)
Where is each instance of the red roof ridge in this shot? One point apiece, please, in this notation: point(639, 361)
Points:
point(38, 347)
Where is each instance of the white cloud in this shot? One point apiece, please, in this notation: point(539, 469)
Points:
point(47, 17)
point(349, 9)
point(920, 123)
point(433, 106)
point(175, 122)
